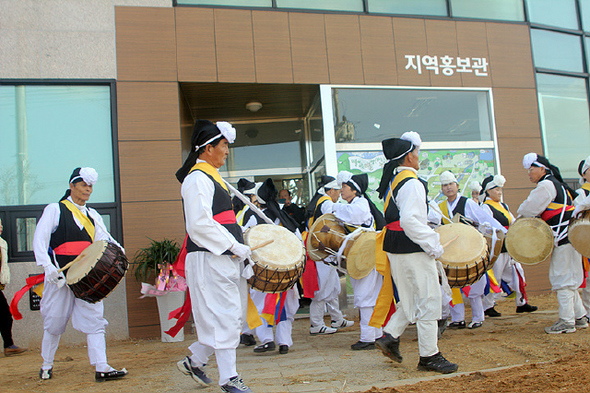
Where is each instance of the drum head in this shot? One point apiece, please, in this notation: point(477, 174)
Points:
point(529, 241)
point(285, 253)
point(86, 261)
point(579, 233)
point(360, 260)
point(469, 247)
point(325, 233)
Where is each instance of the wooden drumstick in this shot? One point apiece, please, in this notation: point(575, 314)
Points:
point(256, 247)
point(70, 264)
point(450, 241)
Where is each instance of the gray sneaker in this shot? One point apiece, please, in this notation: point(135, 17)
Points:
point(197, 374)
point(235, 385)
point(561, 326)
point(581, 323)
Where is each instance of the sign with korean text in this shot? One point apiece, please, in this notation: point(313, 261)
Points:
point(448, 65)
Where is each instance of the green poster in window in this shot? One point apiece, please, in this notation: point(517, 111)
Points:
point(467, 165)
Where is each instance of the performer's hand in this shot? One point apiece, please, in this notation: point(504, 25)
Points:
point(579, 209)
point(241, 251)
point(52, 275)
point(437, 252)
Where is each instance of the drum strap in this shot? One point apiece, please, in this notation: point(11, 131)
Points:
point(211, 171)
point(83, 218)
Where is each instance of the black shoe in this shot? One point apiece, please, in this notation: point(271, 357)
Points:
point(266, 347)
point(359, 345)
point(389, 346)
point(283, 349)
point(492, 313)
point(526, 308)
point(437, 363)
point(247, 339)
point(456, 325)
point(110, 376)
point(46, 374)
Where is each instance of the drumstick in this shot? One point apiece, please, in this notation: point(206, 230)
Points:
point(450, 241)
point(256, 247)
point(70, 264)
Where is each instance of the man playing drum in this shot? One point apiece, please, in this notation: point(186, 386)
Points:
point(266, 196)
point(509, 272)
point(328, 282)
point(551, 200)
point(411, 247)
point(359, 211)
point(64, 230)
point(582, 203)
point(212, 275)
point(458, 204)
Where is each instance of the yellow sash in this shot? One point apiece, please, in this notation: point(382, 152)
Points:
point(83, 218)
point(211, 171)
point(444, 207)
point(241, 214)
point(252, 317)
point(320, 201)
point(586, 186)
point(385, 298)
point(498, 206)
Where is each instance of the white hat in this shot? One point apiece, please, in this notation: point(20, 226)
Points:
point(475, 186)
point(447, 177)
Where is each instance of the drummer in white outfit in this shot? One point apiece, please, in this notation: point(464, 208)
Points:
point(456, 203)
point(411, 247)
point(326, 297)
point(68, 227)
point(582, 202)
point(266, 194)
point(212, 275)
point(358, 212)
point(551, 200)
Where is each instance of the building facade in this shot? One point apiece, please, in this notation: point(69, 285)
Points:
point(312, 87)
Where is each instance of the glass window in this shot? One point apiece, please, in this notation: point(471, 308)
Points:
point(488, 9)
point(559, 13)
point(235, 3)
point(563, 103)
point(371, 115)
point(409, 7)
point(25, 229)
point(556, 51)
point(585, 14)
point(47, 131)
point(334, 5)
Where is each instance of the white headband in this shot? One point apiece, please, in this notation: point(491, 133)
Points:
point(88, 175)
point(530, 159)
point(414, 139)
point(346, 177)
point(227, 131)
point(498, 181)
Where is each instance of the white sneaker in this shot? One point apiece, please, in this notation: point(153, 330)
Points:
point(342, 324)
point(581, 323)
point(322, 330)
point(561, 326)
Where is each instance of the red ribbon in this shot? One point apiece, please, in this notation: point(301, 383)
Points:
point(71, 248)
point(226, 217)
point(31, 282)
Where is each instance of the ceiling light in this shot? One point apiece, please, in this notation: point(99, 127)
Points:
point(254, 106)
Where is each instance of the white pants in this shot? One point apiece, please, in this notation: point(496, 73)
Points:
point(476, 301)
point(326, 296)
point(566, 276)
point(283, 328)
point(57, 306)
point(366, 290)
point(368, 333)
point(416, 279)
point(508, 270)
point(215, 289)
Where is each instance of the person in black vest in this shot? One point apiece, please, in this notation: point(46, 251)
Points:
point(552, 201)
point(63, 231)
point(582, 202)
point(411, 247)
point(508, 272)
point(212, 275)
point(243, 211)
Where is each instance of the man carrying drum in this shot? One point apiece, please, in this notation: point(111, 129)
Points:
point(64, 230)
point(458, 204)
point(411, 247)
point(328, 282)
point(551, 200)
point(360, 211)
point(509, 272)
point(582, 203)
point(212, 275)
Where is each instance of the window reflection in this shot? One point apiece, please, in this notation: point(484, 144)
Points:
point(335, 5)
point(559, 13)
point(25, 229)
point(556, 51)
point(235, 3)
point(409, 7)
point(488, 9)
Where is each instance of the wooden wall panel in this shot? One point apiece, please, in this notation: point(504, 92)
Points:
point(378, 50)
point(146, 44)
point(344, 49)
point(510, 55)
point(234, 45)
point(472, 41)
point(511, 152)
point(308, 48)
point(147, 111)
point(410, 39)
point(537, 279)
point(516, 112)
point(441, 38)
point(147, 171)
point(272, 49)
point(195, 44)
